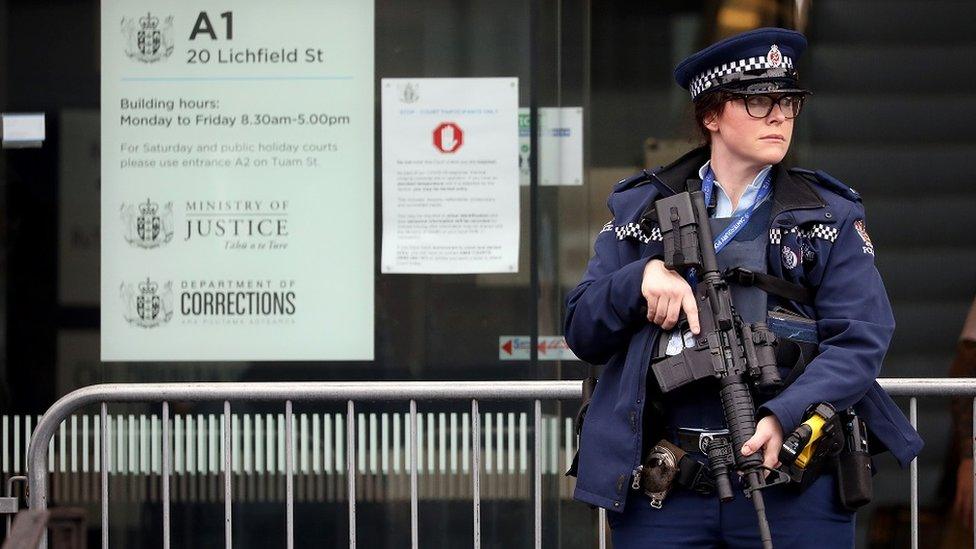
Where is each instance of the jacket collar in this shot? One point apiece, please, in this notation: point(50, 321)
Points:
point(790, 191)
point(675, 175)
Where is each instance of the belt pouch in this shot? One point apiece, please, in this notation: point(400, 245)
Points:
point(854, 464)
point(854, 479)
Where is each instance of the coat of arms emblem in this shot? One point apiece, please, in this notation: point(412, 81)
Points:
point(148, 39)
point(145, 304)
point(408, 93)
point(774, 57)
point(146, 225)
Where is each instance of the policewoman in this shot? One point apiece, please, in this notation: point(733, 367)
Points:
point(798, 254)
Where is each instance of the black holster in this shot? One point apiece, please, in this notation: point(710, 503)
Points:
point(854, 471)
point(852, 466)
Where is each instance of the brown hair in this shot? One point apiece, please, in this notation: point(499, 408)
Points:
point(706, 105)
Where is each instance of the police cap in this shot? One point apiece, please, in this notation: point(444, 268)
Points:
point(752, 62)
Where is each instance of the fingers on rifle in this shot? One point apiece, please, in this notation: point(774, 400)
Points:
point(651, 307)
point(769, 456)
point(748, 446)
point(674, 308)
point(691, 311)
point(771, 450)
point(661, 312)
point(758, 440)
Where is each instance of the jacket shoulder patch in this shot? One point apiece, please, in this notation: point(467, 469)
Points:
point(862, 231)
point(829, 182)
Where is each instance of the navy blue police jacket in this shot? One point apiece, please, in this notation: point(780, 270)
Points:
point(816, 219)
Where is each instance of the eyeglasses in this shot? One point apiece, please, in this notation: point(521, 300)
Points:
point(759, 106)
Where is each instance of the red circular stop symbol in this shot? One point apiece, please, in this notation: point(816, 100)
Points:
point(448, 137)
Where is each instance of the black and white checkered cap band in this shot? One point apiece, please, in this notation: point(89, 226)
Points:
point(817, 230)
point(712, 77)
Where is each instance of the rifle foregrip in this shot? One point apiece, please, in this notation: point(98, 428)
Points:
point(740, 417)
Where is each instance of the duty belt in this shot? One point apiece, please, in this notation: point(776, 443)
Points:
point(670, 463)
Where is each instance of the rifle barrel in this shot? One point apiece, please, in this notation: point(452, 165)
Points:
point(760, 505)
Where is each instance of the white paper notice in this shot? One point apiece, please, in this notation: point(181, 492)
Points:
point(561, 142)
point(237, 180)
point(450, 175)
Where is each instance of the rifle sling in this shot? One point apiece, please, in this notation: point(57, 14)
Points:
point(769, 284)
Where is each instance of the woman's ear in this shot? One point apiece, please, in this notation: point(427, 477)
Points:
point(711, 121)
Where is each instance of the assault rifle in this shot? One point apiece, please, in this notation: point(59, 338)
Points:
point(741, 355)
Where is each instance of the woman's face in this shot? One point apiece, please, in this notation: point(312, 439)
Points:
point(754, 140)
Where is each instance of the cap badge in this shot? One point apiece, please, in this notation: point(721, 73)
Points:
point(774, 58)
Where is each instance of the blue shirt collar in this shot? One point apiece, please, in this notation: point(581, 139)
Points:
point(723, 206)
point(755, 182)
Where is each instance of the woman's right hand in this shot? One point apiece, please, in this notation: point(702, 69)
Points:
point(667, 294)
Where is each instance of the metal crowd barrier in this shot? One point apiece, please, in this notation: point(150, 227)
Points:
point(914, 388)
point(290, 392)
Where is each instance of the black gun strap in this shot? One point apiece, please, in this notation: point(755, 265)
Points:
point(807, 352)
point(769, 284)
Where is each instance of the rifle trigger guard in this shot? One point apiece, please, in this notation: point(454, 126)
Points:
point(780, 478)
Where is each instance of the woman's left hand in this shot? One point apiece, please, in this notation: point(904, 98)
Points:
point(769, 437)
